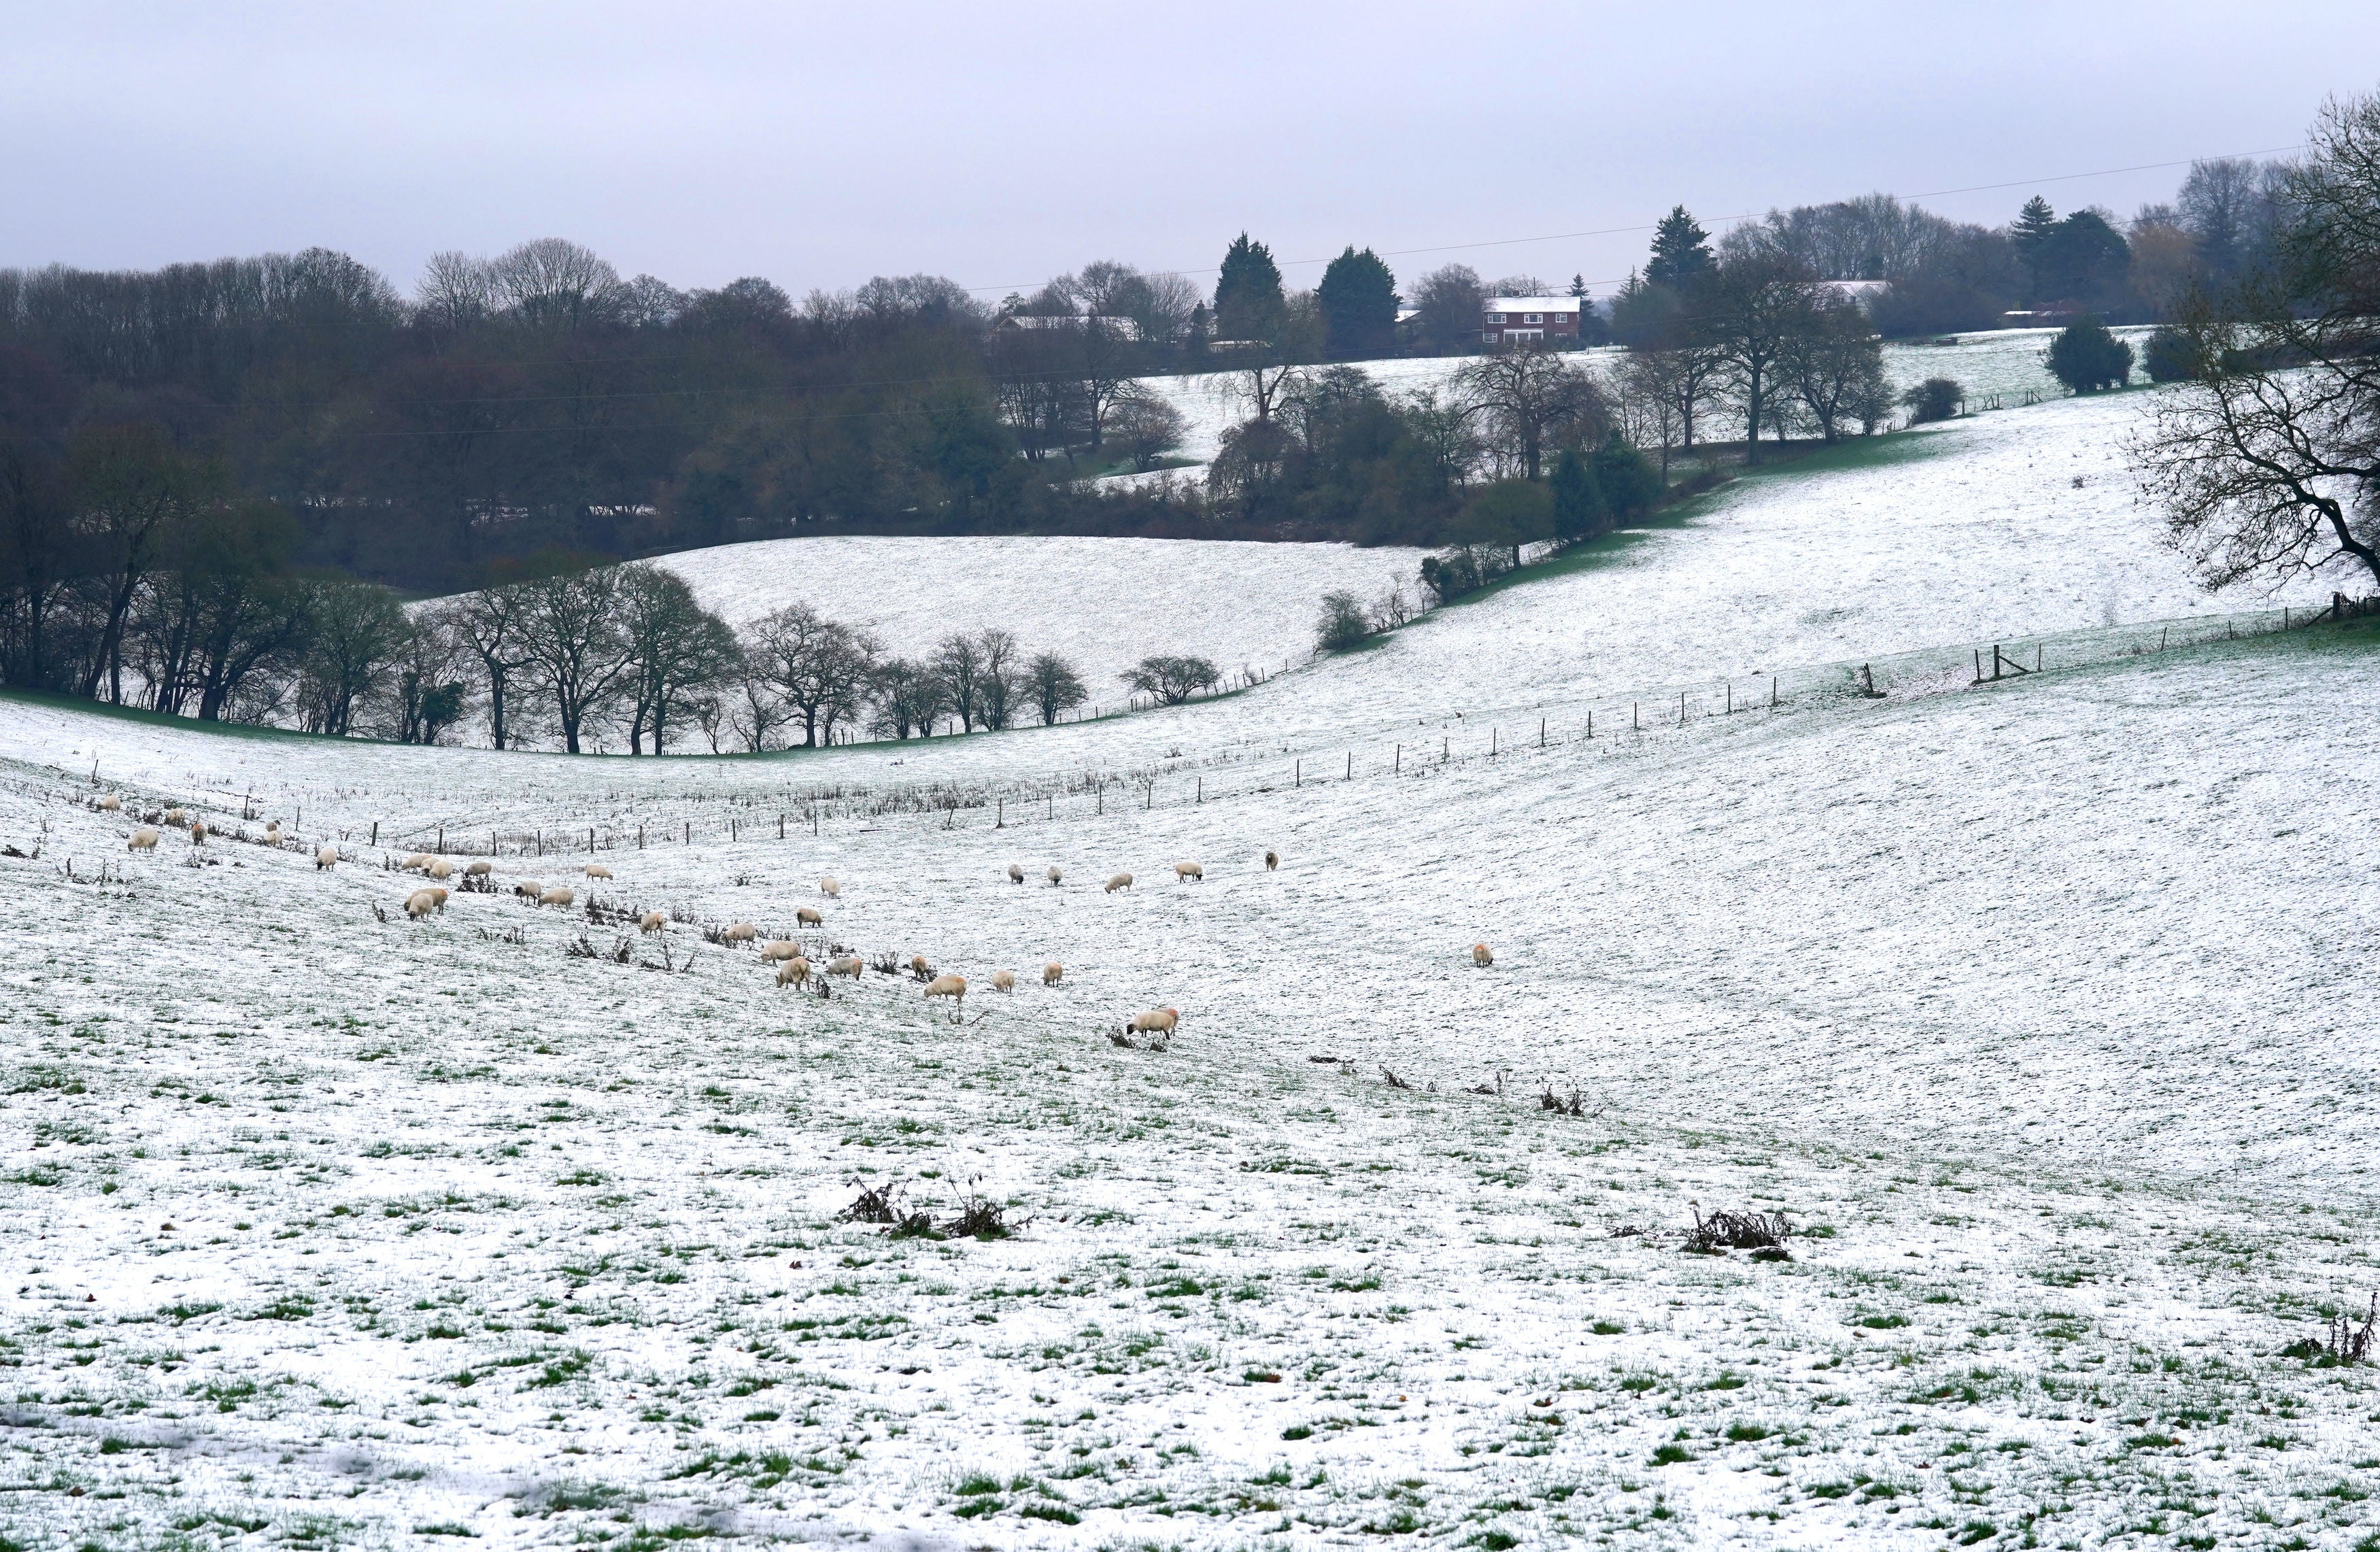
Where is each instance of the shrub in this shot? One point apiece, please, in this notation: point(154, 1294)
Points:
point(1937, 398)
point(2168, 357)
point(1172, 680)
point(1343, 625)
point(2086, 357)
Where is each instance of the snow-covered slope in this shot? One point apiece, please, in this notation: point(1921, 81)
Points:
point(1103, 603)
point(2035, 1006)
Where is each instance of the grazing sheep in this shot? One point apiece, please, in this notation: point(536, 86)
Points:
point(1015, 874)
point(176, 817)
point(1003, 980)
point(1053, 972)
point(440, 869)
point(847, 965)
point(418, 862)
point(919, 967)
point(198, 833)
point(1157, 1021)
point(421, 902)
point(597, 870)
point(809, 917)
point(144, 840)
point(273, 833)
point(953, 987)
point(794, 972)
point(479, 870)
point(1054, 875)
point(439, 895)
point(1272, 860)
point(528, 889)
point(556, 896)
point(741, 932)
point(1185, 871)
point(328, 856)
point(830, 887)
point(779, 948)
point(1480, 956)
point(1122, 880)
point(650, 923)
point(110, 804)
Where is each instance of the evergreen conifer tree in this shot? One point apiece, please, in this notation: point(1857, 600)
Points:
point(1680, 250)
point(1248, 300)
point(1358, 296)
point(1578, 505)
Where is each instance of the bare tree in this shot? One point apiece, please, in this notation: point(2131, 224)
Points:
point(2267, 463)
point(1529, 399)
point(359, 633)
point(1171, 680)
point(425, 692)
point(1450, 305)
point(578, 655)
point(959, 660)
point(1056, 687)
point(1752, 308)
point(1834, 364)
point(1145, 426)
point(820, 667)
point(753, 712)
point(998, 684)
point(908, 697)
point(677, 649)
point(493, 625)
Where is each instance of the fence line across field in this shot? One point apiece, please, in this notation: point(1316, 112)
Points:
point(1613, 720)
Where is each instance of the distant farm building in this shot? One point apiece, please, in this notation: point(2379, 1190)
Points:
point(1532, 319)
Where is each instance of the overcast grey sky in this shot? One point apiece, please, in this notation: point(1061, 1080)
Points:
point(819, 144)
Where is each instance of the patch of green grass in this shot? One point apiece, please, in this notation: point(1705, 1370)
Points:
point(1297, 1431)
point(1748, 1433)
point(1671, 1455)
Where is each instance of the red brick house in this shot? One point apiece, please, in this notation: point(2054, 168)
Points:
point(1541, 319)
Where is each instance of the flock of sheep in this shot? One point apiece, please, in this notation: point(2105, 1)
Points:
point(793, 964)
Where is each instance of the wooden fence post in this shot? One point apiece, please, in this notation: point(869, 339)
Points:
point(375, 840)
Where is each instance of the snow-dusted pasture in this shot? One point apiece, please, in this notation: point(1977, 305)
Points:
point(1103, 603)
point(2038, 1008)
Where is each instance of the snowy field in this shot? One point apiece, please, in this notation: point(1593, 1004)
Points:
point(1102, 603)
point(2038, 1009)
point(2008, 362)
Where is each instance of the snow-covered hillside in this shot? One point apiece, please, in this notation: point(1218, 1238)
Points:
point(1103, 603)
point(2034, 1007)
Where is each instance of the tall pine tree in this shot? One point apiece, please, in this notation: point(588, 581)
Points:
point(1680, 250)
point(1248, 300)
point(1358, 296)
point(2030, 228)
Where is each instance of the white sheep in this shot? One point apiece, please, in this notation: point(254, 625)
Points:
point(176, 817)
point(919, 967)
point(198, 833)
point(1157, 1021)
point(597, 870)
point(530, 890)
point(110, 804)
point(1015, 874)
point(847, 965)
point(556, 896)
point(1480, 955)
point(421, 902)
point(1122, 880)
point(740, 932)
point(273, 833)
point(1185, 871)
point(1003, 980)
point(794, 972)
point(1272, 860)
point(419, 862)
point(440, 895)
point(479, 870)
point(809, 917)
point(144, 840)
point(440, 869)
point(779, 948)
point(952, 987)
point(327, 856)
point(1053, 972)
point(830, 887)
point(650, 923)
point(1054, 875)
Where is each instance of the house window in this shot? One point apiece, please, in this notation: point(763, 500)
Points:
point(1534, 318)
point(1495, 318)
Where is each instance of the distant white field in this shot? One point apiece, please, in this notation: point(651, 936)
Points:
point(1104, 603)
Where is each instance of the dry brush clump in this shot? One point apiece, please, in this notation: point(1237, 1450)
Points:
point(1764, 1234)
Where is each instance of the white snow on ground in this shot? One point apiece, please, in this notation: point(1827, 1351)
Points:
point(2038, 1007)
point(2007, 362)
point(1103, 603)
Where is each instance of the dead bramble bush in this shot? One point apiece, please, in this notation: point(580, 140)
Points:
point(2346, 1340)
point(876, 1204)
point(1764, 1234)
point(1573, 1106)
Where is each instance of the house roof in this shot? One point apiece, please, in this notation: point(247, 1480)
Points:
point(1532, 304)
